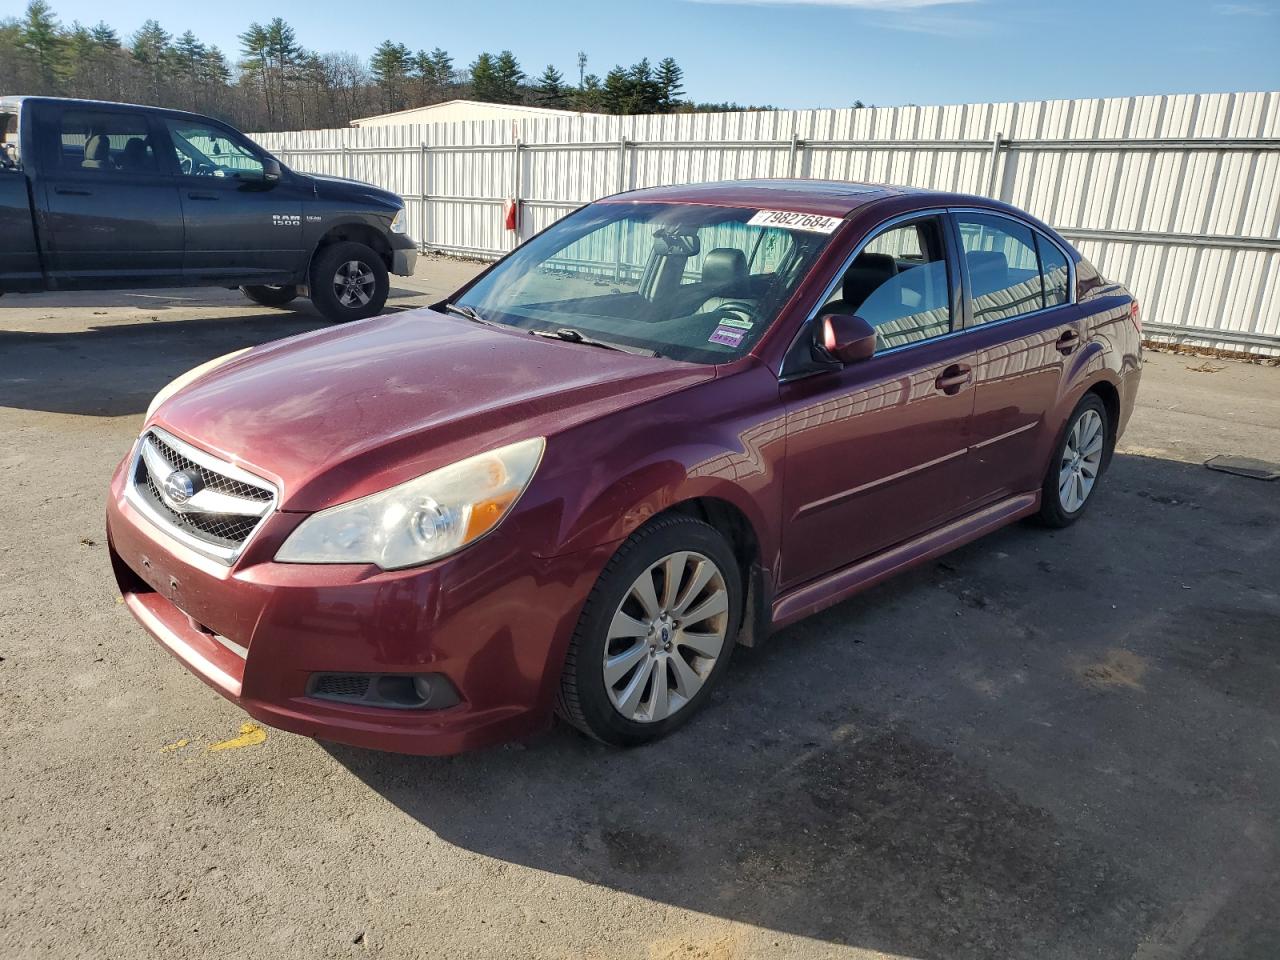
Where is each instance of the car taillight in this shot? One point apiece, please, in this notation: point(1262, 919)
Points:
point(1135, 315)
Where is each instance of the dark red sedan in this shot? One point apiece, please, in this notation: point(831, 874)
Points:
point(678, 419)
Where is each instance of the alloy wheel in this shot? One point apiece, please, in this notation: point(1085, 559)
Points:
point(1081, 460)
point(354, 283)
point(666, 636)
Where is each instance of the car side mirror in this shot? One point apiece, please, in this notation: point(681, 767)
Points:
point(848, 338)
point(270, 170)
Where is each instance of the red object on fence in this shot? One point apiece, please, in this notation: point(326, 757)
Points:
point(511, 215)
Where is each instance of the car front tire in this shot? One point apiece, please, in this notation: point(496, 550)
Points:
point(349, 281)
point(655, 635)
point(1078, 463)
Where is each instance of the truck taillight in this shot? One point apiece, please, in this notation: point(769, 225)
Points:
point(1135, 315)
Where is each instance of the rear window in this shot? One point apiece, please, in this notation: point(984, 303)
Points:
point(9, 153)
point(107, 142)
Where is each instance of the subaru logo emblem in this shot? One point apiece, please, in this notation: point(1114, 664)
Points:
point(666, 635)
point(179, 487)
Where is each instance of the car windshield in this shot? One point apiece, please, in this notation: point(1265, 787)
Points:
point(691, 282)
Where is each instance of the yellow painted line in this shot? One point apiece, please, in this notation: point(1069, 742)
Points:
point(176, 745)
point(250, 735)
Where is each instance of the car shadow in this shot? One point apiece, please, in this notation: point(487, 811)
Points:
point(1001, 753)
point(114, 369)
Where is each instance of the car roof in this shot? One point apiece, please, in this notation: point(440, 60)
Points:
point(831, 198)
point(14, 102)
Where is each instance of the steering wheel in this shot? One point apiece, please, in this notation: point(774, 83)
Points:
point(737, 308)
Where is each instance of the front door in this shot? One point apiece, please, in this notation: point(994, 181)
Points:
point(239, 226)
point(876, 450)
point(111, 207)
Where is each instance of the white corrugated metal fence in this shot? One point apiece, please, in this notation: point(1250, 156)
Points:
point(1177, 196)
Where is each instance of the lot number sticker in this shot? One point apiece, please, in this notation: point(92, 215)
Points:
point(789, 220)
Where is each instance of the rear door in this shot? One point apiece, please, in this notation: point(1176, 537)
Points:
point(1023, 328)
point(111, 208)
point(239, 226)
point(876, 449)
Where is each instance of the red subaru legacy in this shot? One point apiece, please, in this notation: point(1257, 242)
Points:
point(675, 421)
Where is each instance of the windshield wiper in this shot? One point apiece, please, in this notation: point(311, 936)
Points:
point(570, 335)
point(462, 310)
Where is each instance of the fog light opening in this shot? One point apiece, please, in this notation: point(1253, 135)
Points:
point(395, 691)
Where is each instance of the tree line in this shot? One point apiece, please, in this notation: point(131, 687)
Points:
point(273, 82)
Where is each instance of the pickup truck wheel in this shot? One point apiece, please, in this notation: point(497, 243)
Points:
point(349, 282)
point(271, 296)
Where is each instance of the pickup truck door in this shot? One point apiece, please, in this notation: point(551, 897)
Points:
point(110, 214)
point(239, 227)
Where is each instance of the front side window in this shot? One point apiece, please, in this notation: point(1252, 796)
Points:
point(1004, 271)
point(898, 283)
point(202, 150)
point(692, 282)
point(106, 142)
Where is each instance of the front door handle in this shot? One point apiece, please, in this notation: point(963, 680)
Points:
point(64, 192)
point(953, 378)
point(1068, 341)
point(201, 196)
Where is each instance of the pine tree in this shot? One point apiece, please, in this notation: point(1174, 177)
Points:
point(509, 76)
point(42, 39)
point(390, 65)
point(589, 96)
point(484, 79)
point(670, 86)
point(551, 89)
point(105, 36)
point(151, 48)
point(616, 92)
point(644, 89)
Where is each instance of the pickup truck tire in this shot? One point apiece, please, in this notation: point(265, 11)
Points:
point(271, 296)
point(349, 282)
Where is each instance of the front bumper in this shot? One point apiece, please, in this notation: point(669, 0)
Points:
point(403, 261)
point(494, 619)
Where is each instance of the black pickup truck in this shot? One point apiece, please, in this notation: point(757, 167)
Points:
point(107, 195)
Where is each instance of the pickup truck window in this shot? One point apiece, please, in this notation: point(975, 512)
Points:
point(206, 151)
point(9, 156)
point(106, 141)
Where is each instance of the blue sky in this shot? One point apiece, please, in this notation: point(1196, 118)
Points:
point(800, 53)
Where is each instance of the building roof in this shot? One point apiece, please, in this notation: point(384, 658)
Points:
point(483, 105)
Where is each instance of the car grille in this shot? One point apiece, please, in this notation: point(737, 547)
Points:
point(214, 506)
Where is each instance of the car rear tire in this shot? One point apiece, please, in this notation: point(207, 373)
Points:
point(270, 296)
point(655, 635)
point(1078, 463)
point(349, 281)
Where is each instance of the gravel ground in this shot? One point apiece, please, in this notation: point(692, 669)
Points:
point(1047, 745)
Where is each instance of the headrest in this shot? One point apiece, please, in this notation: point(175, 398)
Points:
point(988, 269)
point(725, 268)
point(97, 147)
point(136, 150)
point(868, 272)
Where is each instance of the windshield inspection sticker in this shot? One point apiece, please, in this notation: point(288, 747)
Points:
point(727, 336)
point(787, 220)
point(736, 322)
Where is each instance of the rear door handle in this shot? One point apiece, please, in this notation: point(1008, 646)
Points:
point(64, 192)
point(201, 196)
point(1068, 341)
point(953, 378)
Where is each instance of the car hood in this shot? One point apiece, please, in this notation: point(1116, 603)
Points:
point(340, 188)
point(339, 413)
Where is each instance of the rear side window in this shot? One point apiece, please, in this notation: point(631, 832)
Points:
point(106, 142)
point(1004, 271)
point(1053, 266)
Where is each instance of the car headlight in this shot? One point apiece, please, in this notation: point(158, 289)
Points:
point(177, 383)
point(397, 222)
point(422, 519)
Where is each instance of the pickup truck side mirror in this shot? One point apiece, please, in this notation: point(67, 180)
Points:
point(270, 170)
point(848, 338)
